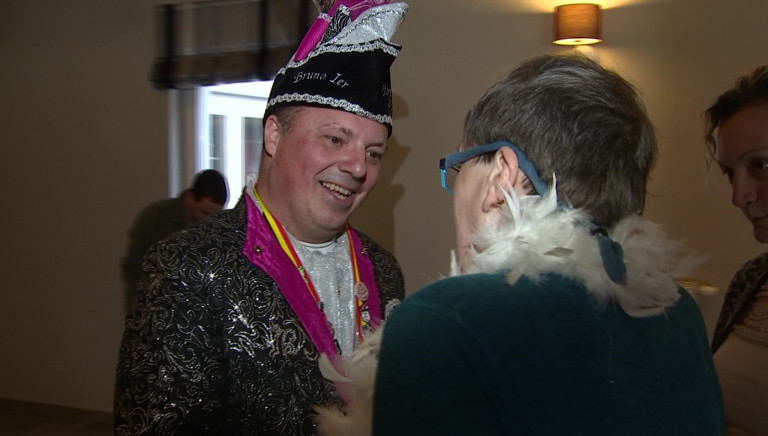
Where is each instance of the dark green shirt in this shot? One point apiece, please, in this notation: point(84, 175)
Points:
point(472, 355)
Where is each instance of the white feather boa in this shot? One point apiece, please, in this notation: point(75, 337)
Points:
point(534, 238)
point(356, 387)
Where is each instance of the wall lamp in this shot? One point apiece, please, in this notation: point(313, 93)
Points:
point(577, 24)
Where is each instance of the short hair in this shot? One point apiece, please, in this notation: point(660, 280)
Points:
point(749, 90)
point(211, 184)
point(578, 121)
point(286, 114)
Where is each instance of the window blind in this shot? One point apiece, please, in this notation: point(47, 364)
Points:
point(212, 42)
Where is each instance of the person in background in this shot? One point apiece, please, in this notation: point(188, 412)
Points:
point(163, 218)
point(736, 136)
point(562, 315)
point(238, 313)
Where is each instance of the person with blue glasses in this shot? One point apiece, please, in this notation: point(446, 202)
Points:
point(562, 315)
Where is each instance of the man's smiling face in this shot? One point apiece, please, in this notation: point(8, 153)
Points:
point(323, 165)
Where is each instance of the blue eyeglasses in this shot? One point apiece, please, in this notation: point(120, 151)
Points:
point(454, 161)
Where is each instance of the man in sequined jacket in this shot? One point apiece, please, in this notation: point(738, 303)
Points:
point(239, 313)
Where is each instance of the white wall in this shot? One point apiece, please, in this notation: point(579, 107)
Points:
point(84, 147)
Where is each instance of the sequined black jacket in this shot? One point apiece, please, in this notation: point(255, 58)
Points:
point(214, 348)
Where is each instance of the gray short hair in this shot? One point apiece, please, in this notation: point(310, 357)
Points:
point(573, 118)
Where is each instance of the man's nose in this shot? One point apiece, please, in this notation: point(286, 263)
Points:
point(354, 162)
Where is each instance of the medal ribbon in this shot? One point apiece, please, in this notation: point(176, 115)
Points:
point(361, 300)
point(285, 244)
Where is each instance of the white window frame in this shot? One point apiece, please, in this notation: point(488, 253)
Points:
point(190, 132)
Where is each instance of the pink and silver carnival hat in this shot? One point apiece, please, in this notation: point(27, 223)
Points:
point(343, 61)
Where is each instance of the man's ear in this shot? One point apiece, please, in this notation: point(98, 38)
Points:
point(272, 134)
point(505, 172)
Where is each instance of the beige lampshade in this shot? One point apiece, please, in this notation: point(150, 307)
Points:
point(577, 24)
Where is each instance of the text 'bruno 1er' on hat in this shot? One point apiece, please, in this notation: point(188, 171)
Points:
point(343, 61)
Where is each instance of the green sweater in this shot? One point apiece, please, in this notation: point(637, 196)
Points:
point(473, 355)
point(154, 223)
